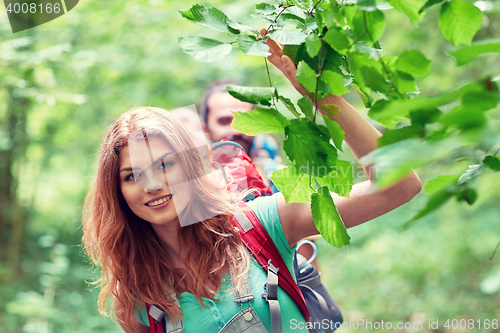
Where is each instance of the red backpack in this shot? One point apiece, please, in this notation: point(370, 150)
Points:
point(245, 176)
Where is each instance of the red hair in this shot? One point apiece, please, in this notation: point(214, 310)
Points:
point(135, 268)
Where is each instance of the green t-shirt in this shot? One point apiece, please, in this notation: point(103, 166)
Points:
point(212, 318)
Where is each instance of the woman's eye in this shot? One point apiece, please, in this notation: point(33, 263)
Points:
point(132, 176)
point(165, 165)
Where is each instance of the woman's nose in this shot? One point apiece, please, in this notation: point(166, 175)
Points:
point(150, 180)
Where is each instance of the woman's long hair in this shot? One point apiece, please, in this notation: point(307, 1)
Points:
point(135, 268)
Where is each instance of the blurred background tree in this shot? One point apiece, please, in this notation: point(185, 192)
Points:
point(62, 83)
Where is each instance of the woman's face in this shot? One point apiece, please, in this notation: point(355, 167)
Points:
point(153, 181)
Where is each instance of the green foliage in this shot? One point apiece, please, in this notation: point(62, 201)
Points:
point(466, 54)
point(306, 106)
point(307, 146)
point(306, 76)
point(439, 183)
point(413, 62)
point(204, 49)
point(259, 121)
point(210, 17)
point(251, 46)
point(410, 7)
point(338, 44)
point(492, 162)
point(336, 132)
point(327, 218)
point(459, 21)
point(254, 95)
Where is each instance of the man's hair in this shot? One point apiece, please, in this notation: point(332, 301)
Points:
point(215, 87)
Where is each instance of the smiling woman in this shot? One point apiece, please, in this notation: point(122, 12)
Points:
point(151, 177)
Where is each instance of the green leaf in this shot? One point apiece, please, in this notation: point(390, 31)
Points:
point(337, 40)
point(459, 21)
point(289, 105)
point(367, 99)
point(425, 116)
point(492, 162)
point(335, 81)
point(395, 135)
point(288, 37)
point(313, 44)
point(374, 22)
point(466, 54)
point(259, 121)
point(363, 47)
point(435, 201)
point(429, 4)
point(481, 101)
point(290, 20)
point(389, 113)
point(254, 95)
point(306, 106)
point(414, 63)
point(204, 49)
point(309, 148)
point(295, 186)
point(471, 174)
point(291, 51)
point(332, 60)
point(242, 28)
point(336, 132)
point(333, 13)
point(306, 76)
point(210, 17)
point(468, 195)
point(403, 82)
point(395, 161)
point(265, 9)
point(409, 7)
point(356, 61)
point(463, 118)
point(340, 180)
point(367, 5)
point(439, 183)
point(327, 219)
point(374, 80)
point(330, 109)
point(251, 46)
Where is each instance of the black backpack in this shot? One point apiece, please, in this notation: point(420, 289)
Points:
point(325, 314)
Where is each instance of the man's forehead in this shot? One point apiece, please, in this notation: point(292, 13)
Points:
point(223, 102)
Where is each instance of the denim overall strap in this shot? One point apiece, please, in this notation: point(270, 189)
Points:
point(247, 320)
point(245, 293)
point(170, 325)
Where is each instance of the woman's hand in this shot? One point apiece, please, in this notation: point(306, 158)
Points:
point(287, 67)
point(283, 63)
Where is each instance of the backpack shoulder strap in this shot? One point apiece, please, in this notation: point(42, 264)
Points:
point(159, 322)
point(155, 317)
point(260, 244)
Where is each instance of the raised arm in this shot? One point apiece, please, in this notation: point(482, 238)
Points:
point(365, 203)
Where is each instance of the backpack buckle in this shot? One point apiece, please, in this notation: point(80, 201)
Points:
point(156, 313)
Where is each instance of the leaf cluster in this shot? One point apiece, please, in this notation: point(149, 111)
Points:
point(335, 45)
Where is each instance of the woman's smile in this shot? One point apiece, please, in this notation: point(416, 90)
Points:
point(159, 203)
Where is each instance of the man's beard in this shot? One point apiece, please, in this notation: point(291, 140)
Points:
point(243, 140)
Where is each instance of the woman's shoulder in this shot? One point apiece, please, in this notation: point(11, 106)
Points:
point(266, 210)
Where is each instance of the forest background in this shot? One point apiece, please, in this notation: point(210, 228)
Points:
point(62, 83)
